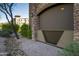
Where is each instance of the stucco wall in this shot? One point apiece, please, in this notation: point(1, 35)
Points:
point(65, 39)
point(40, 36)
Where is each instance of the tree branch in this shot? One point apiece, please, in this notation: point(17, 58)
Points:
point(6, 8)
point(10, 9)
point(5, 15)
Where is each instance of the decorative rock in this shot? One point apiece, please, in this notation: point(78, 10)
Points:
point(13, 47)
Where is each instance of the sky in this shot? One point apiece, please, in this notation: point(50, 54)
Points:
point(21, 9)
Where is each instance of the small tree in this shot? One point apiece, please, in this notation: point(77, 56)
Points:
point(6, 9)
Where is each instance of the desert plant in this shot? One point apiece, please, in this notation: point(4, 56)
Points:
point(5, 33)
point(6, 26)
point(9, 28)
point(71, 50)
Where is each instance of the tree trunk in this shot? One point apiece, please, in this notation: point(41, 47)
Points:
point(14, 29)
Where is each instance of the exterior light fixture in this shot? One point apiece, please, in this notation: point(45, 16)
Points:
point(62, 8)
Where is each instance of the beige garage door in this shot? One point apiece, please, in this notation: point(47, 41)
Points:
point(55, 20)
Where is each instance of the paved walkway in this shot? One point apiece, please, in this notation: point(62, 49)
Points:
point(2, 47)
point(33, 48)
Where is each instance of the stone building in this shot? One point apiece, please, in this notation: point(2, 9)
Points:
point(55, 23)
point(18, 20)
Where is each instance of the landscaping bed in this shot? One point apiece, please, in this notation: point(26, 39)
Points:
point(13, 47)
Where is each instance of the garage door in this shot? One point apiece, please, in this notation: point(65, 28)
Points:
point(55, 20)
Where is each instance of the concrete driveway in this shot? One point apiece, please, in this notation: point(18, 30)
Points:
point(34, 48)
point(3, 51)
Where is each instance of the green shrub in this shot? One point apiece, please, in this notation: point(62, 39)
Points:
point(29, 32)
point(9, 27)
point(26, 31)
point(7, 30)
point(6, 27)
point(16, 27)
point(5, 33)
point(71, 50)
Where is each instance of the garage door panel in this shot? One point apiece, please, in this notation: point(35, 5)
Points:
point(53, 18)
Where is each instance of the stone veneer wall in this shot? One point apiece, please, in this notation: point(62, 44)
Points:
point(76, 21)
point(33, 18)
